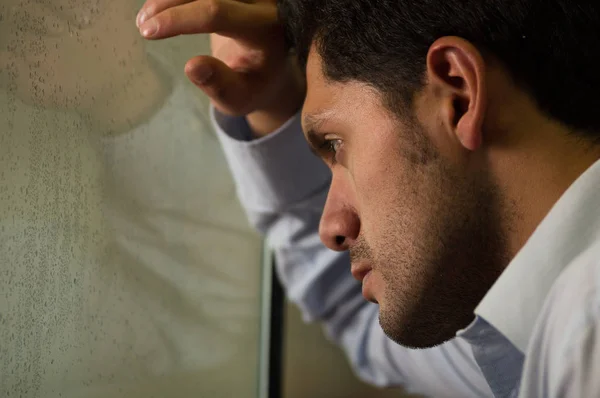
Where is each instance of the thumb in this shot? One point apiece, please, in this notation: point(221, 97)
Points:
point(229, 91)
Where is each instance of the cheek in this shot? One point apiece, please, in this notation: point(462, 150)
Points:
point(381, 188)
point(396, 199)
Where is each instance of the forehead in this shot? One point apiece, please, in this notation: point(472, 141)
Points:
point(343, 102)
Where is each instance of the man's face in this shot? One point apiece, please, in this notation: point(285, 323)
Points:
point(423, 231)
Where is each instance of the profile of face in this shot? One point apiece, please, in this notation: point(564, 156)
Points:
point(67, 54)
point(410, 198)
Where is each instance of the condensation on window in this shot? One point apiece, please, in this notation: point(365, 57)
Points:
point(127, 268)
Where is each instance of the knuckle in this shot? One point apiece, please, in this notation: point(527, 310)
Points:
point(212, 10)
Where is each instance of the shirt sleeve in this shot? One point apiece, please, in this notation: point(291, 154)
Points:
point(283, 188)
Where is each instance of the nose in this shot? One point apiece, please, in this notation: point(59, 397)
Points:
point(340, 223)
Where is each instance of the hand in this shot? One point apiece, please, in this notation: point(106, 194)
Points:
point(250, 73)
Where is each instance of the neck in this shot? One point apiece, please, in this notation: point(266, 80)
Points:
point(537, 174)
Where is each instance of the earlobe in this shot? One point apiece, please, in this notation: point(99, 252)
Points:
point(457, 71)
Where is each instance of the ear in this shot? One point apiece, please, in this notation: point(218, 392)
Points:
point(456, 71)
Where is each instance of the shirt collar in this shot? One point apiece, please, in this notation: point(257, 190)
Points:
point(514, 302)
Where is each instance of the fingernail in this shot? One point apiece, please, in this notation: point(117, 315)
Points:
point(141, 18)
point(149, 28)
point(202, 74)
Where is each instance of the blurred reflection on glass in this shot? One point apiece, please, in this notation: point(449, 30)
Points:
point(126, 265)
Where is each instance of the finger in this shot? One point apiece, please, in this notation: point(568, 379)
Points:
point(227, 17)
point(230, 91)
point(153, 7)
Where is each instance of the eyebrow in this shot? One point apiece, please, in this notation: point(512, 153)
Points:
point(311, 126)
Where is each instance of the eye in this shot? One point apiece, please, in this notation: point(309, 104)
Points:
point(331, 148)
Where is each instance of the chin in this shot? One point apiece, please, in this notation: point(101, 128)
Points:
point(425, 330)
point(417, 338)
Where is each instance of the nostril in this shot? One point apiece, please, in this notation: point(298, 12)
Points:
point(339, 240)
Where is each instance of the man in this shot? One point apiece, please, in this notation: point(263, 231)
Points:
point(463, 150)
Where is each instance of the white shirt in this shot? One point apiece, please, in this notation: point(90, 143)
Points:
point(537, 329)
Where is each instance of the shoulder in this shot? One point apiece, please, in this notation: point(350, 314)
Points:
point(573, 302)
point(568, 328)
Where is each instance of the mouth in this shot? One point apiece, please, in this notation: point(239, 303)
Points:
point(361, 271)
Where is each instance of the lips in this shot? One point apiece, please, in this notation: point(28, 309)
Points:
point(360, 271)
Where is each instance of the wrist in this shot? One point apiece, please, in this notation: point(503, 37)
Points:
point(287, 101)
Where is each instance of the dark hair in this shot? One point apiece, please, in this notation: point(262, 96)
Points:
point(550, 47)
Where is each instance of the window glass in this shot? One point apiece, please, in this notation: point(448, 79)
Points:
point(127, 268)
